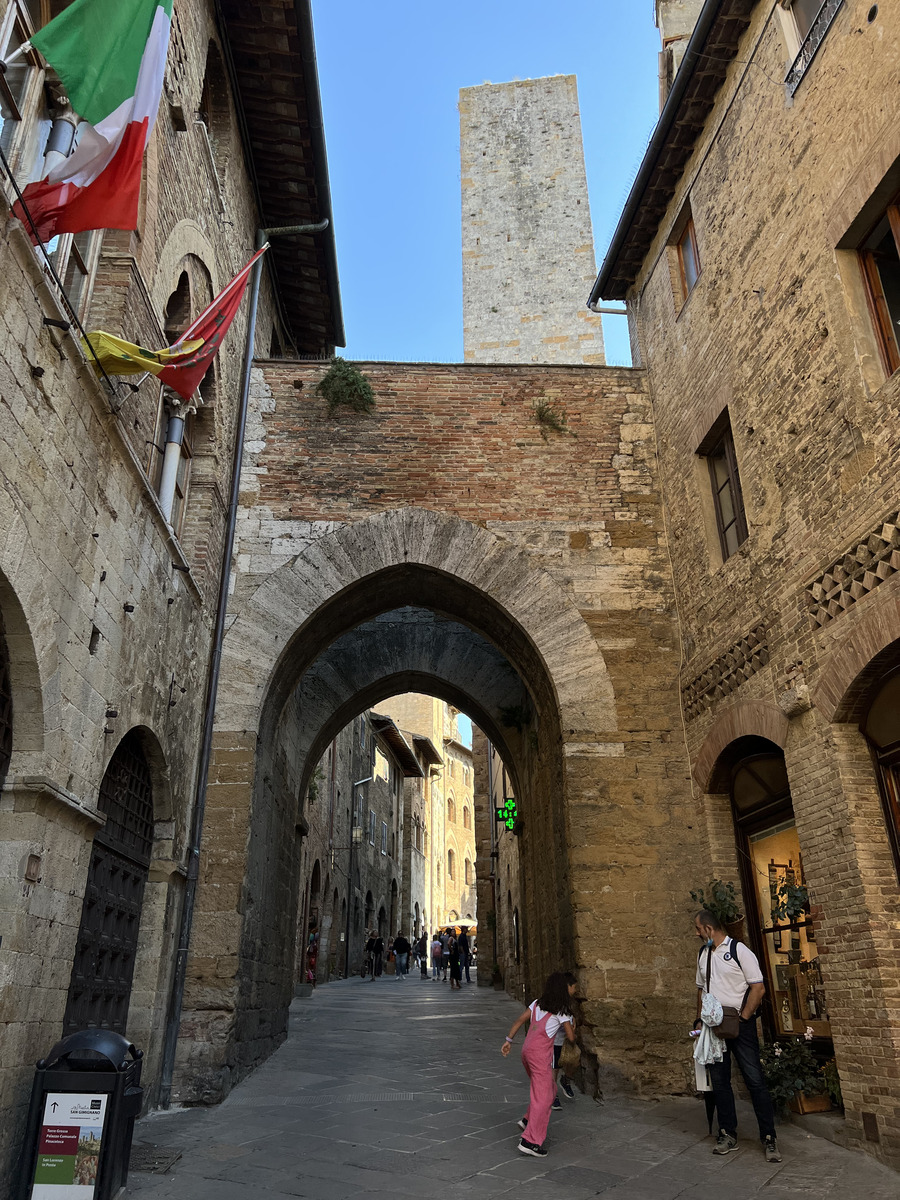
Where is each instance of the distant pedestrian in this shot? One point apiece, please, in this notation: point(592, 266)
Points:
point(546, 1015)
point(445, 952)
point(369, 968)
point(423, 953)
point(455, 962)
point(437, 951)
point(401, 952)
point(378, 956)
point(465, 953)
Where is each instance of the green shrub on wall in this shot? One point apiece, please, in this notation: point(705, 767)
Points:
point(345, 385)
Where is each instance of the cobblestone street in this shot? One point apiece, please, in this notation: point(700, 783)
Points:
point(398, 1087)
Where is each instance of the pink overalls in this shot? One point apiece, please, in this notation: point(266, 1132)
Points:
point(537, 1059)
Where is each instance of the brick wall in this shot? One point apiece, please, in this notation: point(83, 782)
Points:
point(453, 466)
point(777, 330)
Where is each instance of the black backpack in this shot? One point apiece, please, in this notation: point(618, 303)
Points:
point(732, 950)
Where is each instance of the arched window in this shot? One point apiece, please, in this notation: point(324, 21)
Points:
point(468, 871)
point(451, 810)
point(467, 817)
point(451, 865)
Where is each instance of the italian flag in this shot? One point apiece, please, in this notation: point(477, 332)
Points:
point(111, 56)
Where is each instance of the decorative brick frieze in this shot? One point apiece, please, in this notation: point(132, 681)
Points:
point(865, 565)
point(727, 673)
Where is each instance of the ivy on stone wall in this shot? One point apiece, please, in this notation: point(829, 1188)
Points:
point(345, 385)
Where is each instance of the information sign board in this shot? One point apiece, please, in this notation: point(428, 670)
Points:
point(68, 1158)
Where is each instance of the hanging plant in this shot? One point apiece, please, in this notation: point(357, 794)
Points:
point(720, 899)
point(791, 902)
point(345, 385)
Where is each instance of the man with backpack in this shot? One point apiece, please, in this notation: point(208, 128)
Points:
point(730, 971)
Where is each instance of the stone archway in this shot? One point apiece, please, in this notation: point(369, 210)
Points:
point(606, 841)
point(405, 600)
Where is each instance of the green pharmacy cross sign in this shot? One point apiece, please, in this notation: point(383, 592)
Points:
point(508, 813)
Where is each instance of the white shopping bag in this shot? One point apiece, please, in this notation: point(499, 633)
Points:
point(701, 1075)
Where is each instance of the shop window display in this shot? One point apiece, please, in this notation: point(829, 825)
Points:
point(780, 927)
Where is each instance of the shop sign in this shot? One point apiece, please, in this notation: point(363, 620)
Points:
point(69, 1149)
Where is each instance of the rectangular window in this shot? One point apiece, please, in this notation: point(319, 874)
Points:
point(688, 258)
point(880, 261)
point(382, 766)
point(371, 827)
point(805, 23)
point(384, 832)
point(718, 450)
point(804, 13)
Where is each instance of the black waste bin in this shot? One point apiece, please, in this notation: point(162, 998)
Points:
point(85, 1097)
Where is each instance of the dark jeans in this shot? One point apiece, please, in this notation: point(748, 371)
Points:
point(745, 1049)
point(466, 958)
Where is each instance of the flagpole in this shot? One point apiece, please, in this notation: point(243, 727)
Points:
point(25, 48)
point(185, 337)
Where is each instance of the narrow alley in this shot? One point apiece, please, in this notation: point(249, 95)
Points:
point(391, 1087)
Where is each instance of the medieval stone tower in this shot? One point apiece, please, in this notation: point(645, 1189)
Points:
point(528, 248)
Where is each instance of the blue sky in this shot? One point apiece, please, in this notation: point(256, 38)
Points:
point(390, 76)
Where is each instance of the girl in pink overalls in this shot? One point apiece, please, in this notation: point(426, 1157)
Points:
point(546, 1015)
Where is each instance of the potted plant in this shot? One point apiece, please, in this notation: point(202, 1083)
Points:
point(794, 1075)
point(721, 900)
point(791, 902)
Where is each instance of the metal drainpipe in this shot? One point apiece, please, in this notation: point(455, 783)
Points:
point(60, 142)
point(171, 462)
point(176, 1001)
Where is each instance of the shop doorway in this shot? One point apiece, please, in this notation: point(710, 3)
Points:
point(881, 728)
point(780, 926)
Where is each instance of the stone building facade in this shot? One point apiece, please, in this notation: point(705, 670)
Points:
point(502, 935)
point(450, 834)
point(420, 795)
point(518, 574)
point(758, 253)
point(106, 601)
point(351, 856)
point(528, 246)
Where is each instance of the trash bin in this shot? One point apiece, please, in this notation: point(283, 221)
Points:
point(84, 1100)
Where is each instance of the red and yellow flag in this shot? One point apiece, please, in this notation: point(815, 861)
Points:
point(183, 364)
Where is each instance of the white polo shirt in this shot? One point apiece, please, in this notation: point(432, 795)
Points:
point(729, 980)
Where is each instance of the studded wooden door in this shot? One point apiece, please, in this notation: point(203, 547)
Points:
point(103, 966)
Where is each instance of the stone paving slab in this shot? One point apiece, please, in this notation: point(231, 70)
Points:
point(398, 1089)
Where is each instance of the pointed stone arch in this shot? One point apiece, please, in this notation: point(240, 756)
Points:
point(283, 655)
point(275, 614)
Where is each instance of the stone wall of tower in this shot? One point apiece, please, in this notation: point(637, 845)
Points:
point(528, 249)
